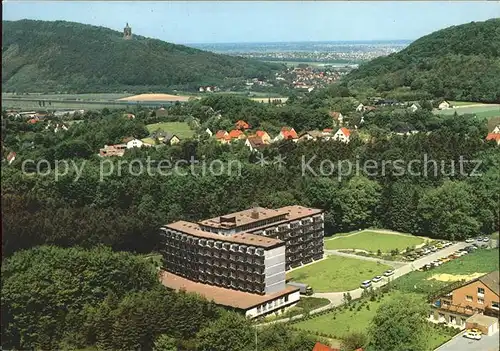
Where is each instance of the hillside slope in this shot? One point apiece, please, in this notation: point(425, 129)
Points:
point(457, 63)
point(68, 56)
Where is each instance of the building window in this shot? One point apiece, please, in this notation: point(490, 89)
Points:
point(468, 309)
point(494, 305)
point(480, 300)
point(286, 298)
point(469, 298)
point(258, 309)
point(480, 291)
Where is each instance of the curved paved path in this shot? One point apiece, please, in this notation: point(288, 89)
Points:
point(337, 297)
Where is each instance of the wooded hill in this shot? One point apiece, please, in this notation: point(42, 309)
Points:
point(457, 63)
point(42, 56)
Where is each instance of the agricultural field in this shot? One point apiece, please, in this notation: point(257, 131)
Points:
point(464, 103)
point(156, 97)
point(475, 264)
point(481, 111)
point(181, 129)
point(59, 105)
point(83, 97)
point(373, 241)
point(336, 273)
point(340, 323)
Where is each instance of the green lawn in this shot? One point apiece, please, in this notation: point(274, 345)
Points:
point(337, 273)
point(340, 323)
point(181, 129)
point(372, 241)
point(482, 112)
point(463, 103)
point(479, 261)
point(90, 96)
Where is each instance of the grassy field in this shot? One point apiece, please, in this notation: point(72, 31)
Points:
point(83, 97)
point(372, 241)
point(344, 322)
point(180, 129)
point(479, 261)
point(337, 273)
point(60, 105)
point(482, 111)
point(464, 103)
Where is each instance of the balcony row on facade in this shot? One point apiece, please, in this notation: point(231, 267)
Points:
point(209, 255)
point(178, 239)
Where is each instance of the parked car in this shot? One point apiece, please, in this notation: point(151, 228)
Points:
point(366, 284)
point(485, 239)
point(389, 272)
point(436, 263)
point(439, 246)
point(472, 335)
point(427, 267)
point(444, 259)
point(426, 252)
point(469, 240)
point(377, 279)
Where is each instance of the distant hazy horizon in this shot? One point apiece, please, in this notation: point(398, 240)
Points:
point(229, 22)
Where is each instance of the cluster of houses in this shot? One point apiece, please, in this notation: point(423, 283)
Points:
point(310, 78)
point(119, 149)
point(209, 89)
point(260, 138)
point(160, 136)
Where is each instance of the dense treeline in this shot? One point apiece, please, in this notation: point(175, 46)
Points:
point(41, 56)
point(456, 63)
point(124, 210)
point(55, 298)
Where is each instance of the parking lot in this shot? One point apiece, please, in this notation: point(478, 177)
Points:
point(459, 343)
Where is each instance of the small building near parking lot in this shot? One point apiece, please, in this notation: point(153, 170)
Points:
point(474, 304)
point(486, 324)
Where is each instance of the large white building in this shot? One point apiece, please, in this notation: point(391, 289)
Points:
point(243, 255)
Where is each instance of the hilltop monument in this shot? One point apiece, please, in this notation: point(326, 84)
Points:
point(127, 32)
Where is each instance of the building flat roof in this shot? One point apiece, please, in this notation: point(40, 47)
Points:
point(244, 217)
point(483, 320)
point(241, 238)
point(249, 216)
point(221, 296)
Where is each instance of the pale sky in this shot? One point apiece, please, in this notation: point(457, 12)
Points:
point(261, 21)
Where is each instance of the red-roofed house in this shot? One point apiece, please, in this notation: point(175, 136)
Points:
point(321, 347)
point(264, 136)
point(337, 117)
point(236, 134)
point(33, 120)
point(242, 125)
point(343, 134)
point(287, 134)
point(254, 142)
point(494, 136)
point(11, 157)
point(221, 135)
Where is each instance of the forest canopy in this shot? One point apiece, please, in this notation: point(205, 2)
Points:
point(457, 63)
point(41, 56)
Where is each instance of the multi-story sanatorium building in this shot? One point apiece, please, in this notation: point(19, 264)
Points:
point(247, 251)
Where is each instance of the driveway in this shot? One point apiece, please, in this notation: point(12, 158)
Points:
point(336, 297)
point(459, 343)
